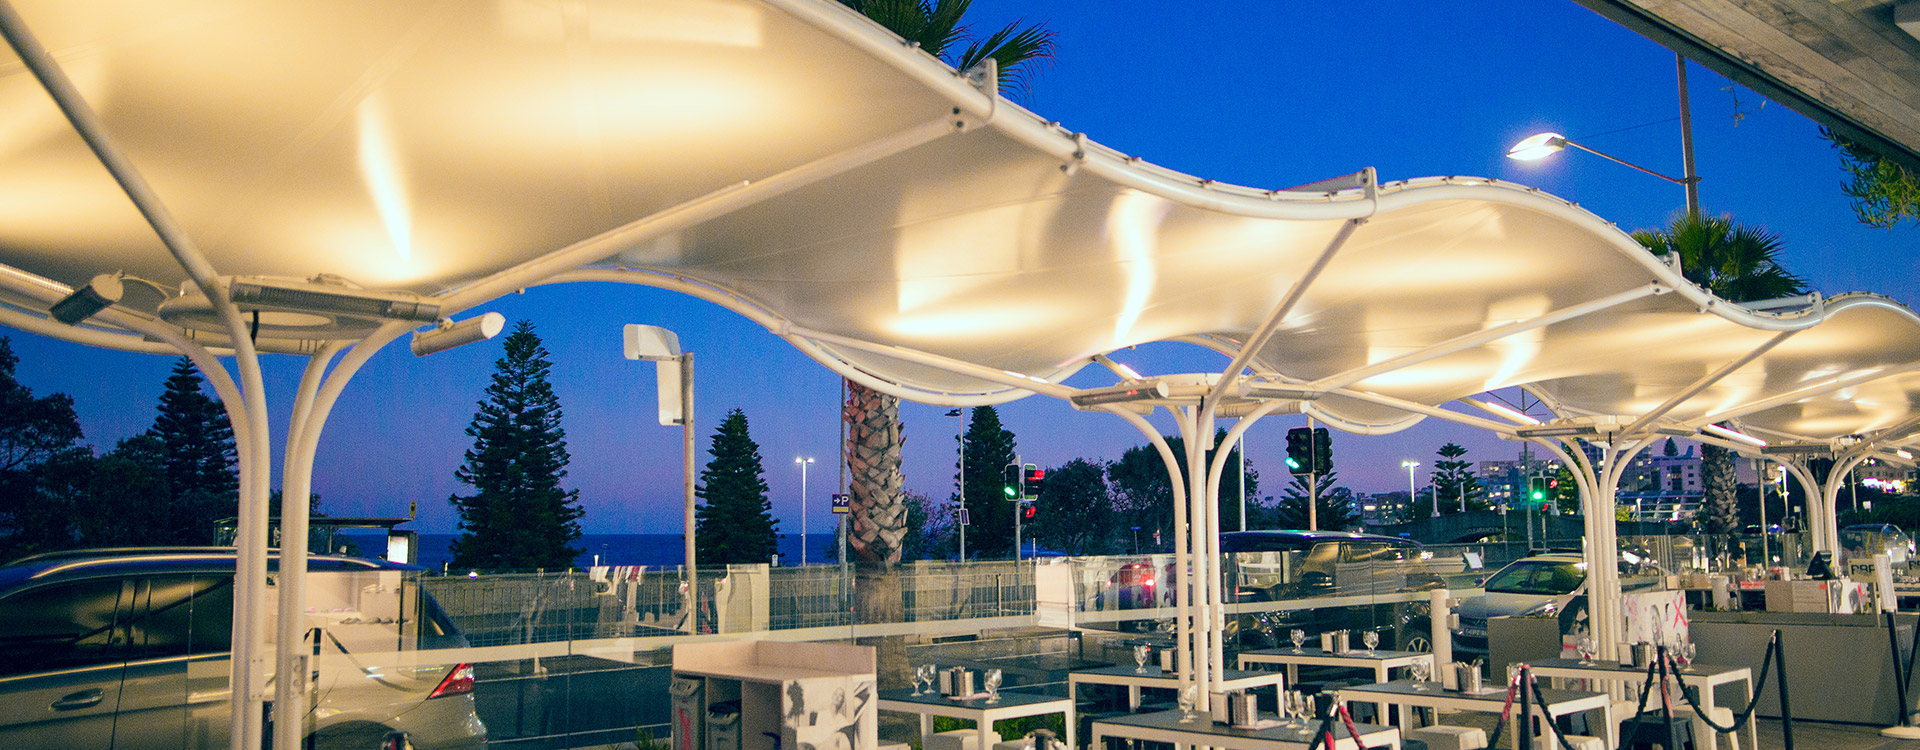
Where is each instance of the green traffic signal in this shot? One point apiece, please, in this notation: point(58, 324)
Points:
point(1292, 464)
point(1009, 489)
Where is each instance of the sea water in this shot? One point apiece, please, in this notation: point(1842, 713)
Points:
point(651, 550)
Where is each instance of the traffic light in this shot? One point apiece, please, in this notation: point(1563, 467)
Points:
point(1010, 482)
point(1537, 490)
point(1322, 451)
point(1029, 511)
point(1300, 450)
point(1031, 482)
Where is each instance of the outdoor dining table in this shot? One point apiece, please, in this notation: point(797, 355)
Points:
point(1133, 679)
point(1168, 726)
point(1406, 695)
point(1703, 677)
point(982, 713)
point(1382, 663)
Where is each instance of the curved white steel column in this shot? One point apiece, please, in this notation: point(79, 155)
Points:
point(1214, 473)
point(1189, 420)
point(1183, 636)
point(319, 390)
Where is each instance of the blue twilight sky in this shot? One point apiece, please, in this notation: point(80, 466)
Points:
point(1260, 93)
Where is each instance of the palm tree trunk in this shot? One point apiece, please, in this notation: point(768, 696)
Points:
point(879, 521)
point(1716, 477)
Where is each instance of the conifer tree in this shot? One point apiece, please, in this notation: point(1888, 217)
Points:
point(734, 524)
point(198, 454)
point(518, 516)
point(1453, 478)
point(990, 449)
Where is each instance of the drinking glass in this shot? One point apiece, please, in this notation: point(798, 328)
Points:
point(1140, 655)
point(1299, 638)
point(1513, 674)
point(993, 685)
point(1189, 697)
point(924, 675)
point(1586, 649)
point(1297, 711)
point(1372, 639)
point(1687, 652)
point(1421, 671)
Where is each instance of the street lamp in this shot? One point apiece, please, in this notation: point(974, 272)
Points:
point(673, 374)
point(960, 513)
point(804, 463)
point(1543, 145)
point(1411, 497)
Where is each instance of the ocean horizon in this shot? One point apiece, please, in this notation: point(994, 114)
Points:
point(651, 550)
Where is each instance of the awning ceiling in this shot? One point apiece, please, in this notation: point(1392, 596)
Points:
point(434, 147)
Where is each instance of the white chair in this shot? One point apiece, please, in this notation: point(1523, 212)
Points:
point(1450, 737)
point(1583, 742)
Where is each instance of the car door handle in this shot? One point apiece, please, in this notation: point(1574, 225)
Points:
point(82, 699)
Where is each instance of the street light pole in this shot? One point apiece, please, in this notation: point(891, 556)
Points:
point(960, 513)
point(1689, 179)
point(1543, 145)
point(662, 347)
point(1413, 500)
point(804, 463)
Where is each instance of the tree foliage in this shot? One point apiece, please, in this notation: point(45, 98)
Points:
point(1453, 479)
point(518, 517)
point(1075, 512)
point(197, 455)
point(1143, 492)
point(1883, 192)
point(937, 27)
point(37, 439)
point(990, 448)
point(1334, 511)
point(734, 524)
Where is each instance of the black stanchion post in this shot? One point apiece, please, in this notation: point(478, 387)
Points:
point(1913, 650)
point(1524, 738)
point(1666, 701)
point(1786, 705)
point(1899, 671)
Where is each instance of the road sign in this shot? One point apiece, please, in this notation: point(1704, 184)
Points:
point(963, 518)
point(842, 504)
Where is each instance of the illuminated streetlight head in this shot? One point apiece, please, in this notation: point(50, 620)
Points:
point(1538, 147)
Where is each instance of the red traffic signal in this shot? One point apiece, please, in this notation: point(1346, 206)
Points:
point(1029, 512)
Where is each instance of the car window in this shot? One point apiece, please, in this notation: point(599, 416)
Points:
point(62, 626)
point(180, 616)
point(1550, 578)
point(1321, 558)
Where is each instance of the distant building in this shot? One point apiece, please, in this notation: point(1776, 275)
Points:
point(1659, 487)
point(1383, 508)
point(1506, 481)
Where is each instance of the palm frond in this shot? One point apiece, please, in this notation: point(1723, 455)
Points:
point(1015, 50)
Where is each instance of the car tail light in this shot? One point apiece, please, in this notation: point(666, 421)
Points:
point(457, 682)
point(1148, 583)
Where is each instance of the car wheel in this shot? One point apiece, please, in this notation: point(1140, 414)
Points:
point(356, 736)
point(1417, 642)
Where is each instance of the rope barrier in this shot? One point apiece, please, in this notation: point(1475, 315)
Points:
point(1746, 714)
point(1323, 736)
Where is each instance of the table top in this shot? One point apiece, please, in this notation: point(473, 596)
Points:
point(1202, 724)
point(1434, 690)
point(934, 698)
point(1315, 652)
point(1121, 671)
point(1609, 668)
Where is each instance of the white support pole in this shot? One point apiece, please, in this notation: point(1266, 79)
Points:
point(1816, 520)
point(1182, 634)
point(1235, 438)
point(296, 486)
point(1196, 560)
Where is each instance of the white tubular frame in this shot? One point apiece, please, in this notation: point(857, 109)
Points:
point(1183, 636)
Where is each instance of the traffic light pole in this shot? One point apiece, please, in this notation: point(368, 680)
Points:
point(1019, 498)
point(1313, 481)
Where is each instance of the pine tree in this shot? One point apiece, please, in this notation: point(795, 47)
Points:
point(198, 456)
point(1453, 478)
point(518, 517)
point(1333, 512)
point(734, 524)
point(990, 448)
point(37, 437)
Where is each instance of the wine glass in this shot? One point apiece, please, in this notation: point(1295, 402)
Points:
point(1297, 711)
point(923, 676)
point(993, 685)
point(1299, 638)
point(1687, 652)
point(1585, 646)
point(1141, 653)
point(1421, 670)
point(1372, 639)
point(1189, 696)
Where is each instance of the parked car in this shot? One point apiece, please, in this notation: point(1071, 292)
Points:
point(1549, 584)
point(1860, 542)
point(129, 649)
point(1262, 566)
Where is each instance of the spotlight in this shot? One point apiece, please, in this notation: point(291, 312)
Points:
point(96, 295)
point(471, 330)
point(1120, 394)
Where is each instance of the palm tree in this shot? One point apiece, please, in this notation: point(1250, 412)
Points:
point(878, 508)
point(936, 28)
point(1737, 263)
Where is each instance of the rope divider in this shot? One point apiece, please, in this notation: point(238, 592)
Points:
point(1746, 714)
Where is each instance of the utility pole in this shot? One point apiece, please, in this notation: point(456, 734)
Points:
point(1313, 481)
